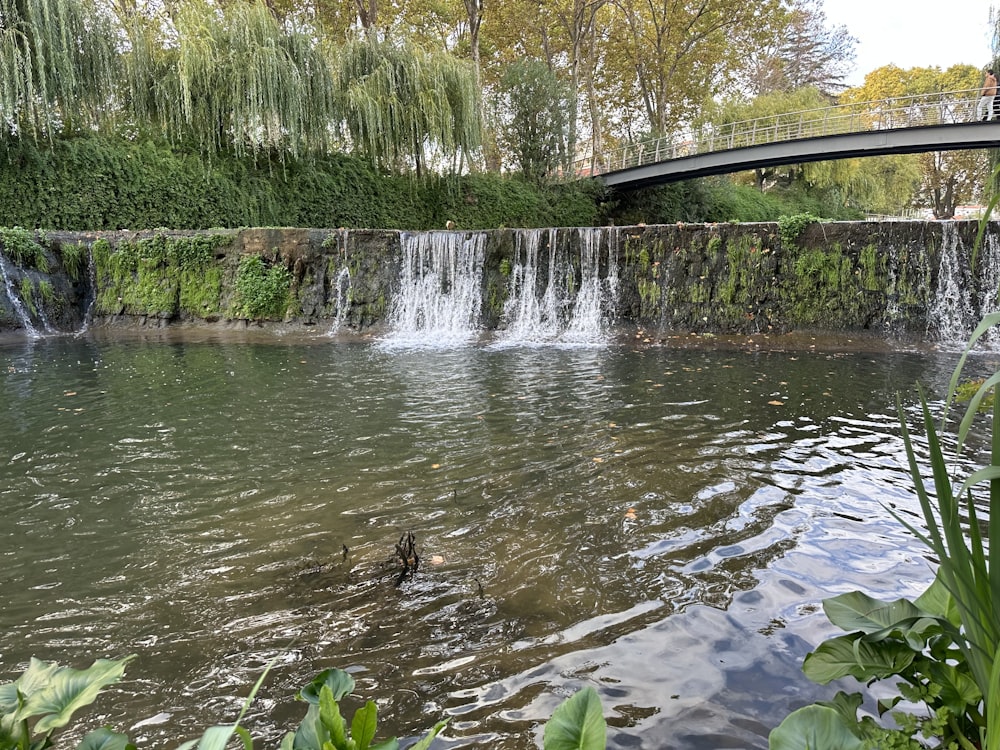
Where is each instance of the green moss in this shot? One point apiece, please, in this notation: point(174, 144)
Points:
point(262, 291)
point(160, 275)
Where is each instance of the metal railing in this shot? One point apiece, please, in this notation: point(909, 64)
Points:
point(947, 108)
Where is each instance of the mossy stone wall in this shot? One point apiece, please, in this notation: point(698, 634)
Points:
point(722, 278)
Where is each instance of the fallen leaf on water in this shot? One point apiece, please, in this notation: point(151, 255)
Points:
point(630, 514)
point(435, 466)
point(776, 403)
point(598, 460)
point(70, 393)
point(436, 560)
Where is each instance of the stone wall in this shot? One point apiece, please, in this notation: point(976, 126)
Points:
point(724, 278)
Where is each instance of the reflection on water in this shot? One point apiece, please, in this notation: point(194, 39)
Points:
point(660, 524)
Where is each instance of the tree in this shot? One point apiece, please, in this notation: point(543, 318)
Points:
point(533, 108)
point(947, 179)
point(401, 105)
point(58, 66)
point(809, 53)
point(234, 78)
point(672, 53)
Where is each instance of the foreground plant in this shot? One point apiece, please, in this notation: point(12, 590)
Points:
point(940, 649)
point(44, 698)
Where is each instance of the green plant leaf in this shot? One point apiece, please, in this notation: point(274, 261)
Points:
point(67, 690)
point(105, 739)
point(814, 728)
point(364, 725)
point(333, 722)
point(858, 611)
point(937, 600)
point(340, 683)
point(311, 734)
point(578, 724)
point(958, 689)
point(424, 742)
point(852, 655)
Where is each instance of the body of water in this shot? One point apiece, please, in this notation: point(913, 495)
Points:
point(659, 523)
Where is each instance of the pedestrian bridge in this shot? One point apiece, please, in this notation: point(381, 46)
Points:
point(903, 125)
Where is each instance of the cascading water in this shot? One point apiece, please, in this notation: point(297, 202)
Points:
point(951, 316)
point(342, 289)
point(574, 308)
point(988, 273)
point(91, 291)
point(15, 300)
point(440, 291)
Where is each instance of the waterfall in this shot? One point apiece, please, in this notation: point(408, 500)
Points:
point(440, 290)
point(987, 271)
point(950, 316)
point(575, 305)
point(343, 296)
point(15, 300)
point(88, 313)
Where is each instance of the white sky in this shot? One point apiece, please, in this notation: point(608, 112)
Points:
point(913, 33)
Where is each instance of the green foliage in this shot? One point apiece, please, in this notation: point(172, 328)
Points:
point(44, 699)
point(98, 183)
point(401, 105)
point(60, 65)
point(324, 728)
point(46, 292)
point(20, 246)
point(790, 228)
point(578, 724)
point(160, 275)
point(261, 291)
point(27, 293)
point(73, 258)
point(942, 650)
point(534, 107)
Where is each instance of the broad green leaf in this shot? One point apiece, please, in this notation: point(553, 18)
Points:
point(69, 689)
point(846, 704)
point(36, 678)
point(858, 611)
point(333, 722)
point(958, 689)
point(311, 734)
point(424, 742)
point(364, 725)
point(390, 744)
point(851, 655)
point(288, 741)
point(339, 682)
point(814, 728)
point(578, 724)
point(937, 600)
point(105, 739)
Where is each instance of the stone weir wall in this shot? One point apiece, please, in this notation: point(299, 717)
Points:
point(887, 277)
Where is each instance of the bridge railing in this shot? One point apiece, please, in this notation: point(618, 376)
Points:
point(943, 108)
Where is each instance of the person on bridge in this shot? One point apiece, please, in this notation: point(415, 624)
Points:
point(989, 92)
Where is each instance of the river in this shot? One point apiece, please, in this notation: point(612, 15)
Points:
point(659, 522)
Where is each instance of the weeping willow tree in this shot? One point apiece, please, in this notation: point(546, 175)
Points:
point(233, 77)
point(402, 106)
point(59, 64)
